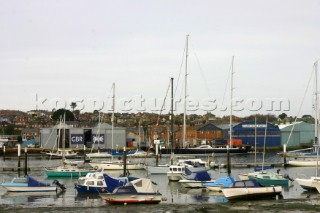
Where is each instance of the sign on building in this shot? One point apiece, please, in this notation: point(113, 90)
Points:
point(98, 138)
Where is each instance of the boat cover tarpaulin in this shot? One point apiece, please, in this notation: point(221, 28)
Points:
point(199, 176)
point(202, 176)
point(34, 182)
point(142, 185)
point(187, 171)
point(112, 183)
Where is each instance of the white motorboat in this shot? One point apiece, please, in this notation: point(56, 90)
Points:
point(175, 172)
point(194, 165)
point(98, 182)
point(250, 189)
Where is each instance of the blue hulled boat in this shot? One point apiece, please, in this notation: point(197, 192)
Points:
point(98, 182)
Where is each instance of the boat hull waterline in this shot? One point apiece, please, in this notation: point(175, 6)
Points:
point(120, 199)
point(30, 189)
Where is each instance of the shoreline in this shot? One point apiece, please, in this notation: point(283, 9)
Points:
point(290, 205)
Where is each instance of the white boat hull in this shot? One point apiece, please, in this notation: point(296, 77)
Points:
point(160, 169)
point(214, 188)
point(174, 176)
point(305, 163)
point(112, 166)
point(193, 183)
point(99, 155)
point(30, 189)
point(132, 198)
point(309, 183)
point(317, 185)
point(243, 176)
point(236, 193)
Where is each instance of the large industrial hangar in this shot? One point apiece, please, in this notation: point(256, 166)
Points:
point(75, 137)
point(249, 132)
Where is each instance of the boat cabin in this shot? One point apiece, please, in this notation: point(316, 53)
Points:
point(176, 169)
point(245, 184)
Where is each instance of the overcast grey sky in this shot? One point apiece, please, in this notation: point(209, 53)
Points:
point(78, 48)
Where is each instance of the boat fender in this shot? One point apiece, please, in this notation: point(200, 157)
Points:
point(102, 190)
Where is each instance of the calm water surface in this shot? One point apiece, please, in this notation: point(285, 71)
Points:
point(179, 199)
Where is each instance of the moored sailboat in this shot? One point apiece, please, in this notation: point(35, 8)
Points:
point(66, 170)
point(312, 182)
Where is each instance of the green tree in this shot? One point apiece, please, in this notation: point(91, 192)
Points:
point(73, 105)
point(60, 114)
point(9, 130)
point(76, 113)
point(282, 116)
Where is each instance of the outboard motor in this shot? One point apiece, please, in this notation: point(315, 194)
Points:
point(61, 186)
point(287, 177)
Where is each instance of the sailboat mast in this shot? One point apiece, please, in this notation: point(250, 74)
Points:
point(185, 95)
point(264, 142)
point(171, 116)
point(230, 143)
point(316, 141)
point(112, 118)
point(255, 141)
point(64, 138)
point(231, 97)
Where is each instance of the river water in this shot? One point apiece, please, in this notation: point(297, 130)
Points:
point(179, 199)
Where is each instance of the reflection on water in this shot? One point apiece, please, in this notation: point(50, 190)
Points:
point(89, 199)
point(30, 197)
point(180, 194)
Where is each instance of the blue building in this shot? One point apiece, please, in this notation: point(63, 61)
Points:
point(246, 132)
